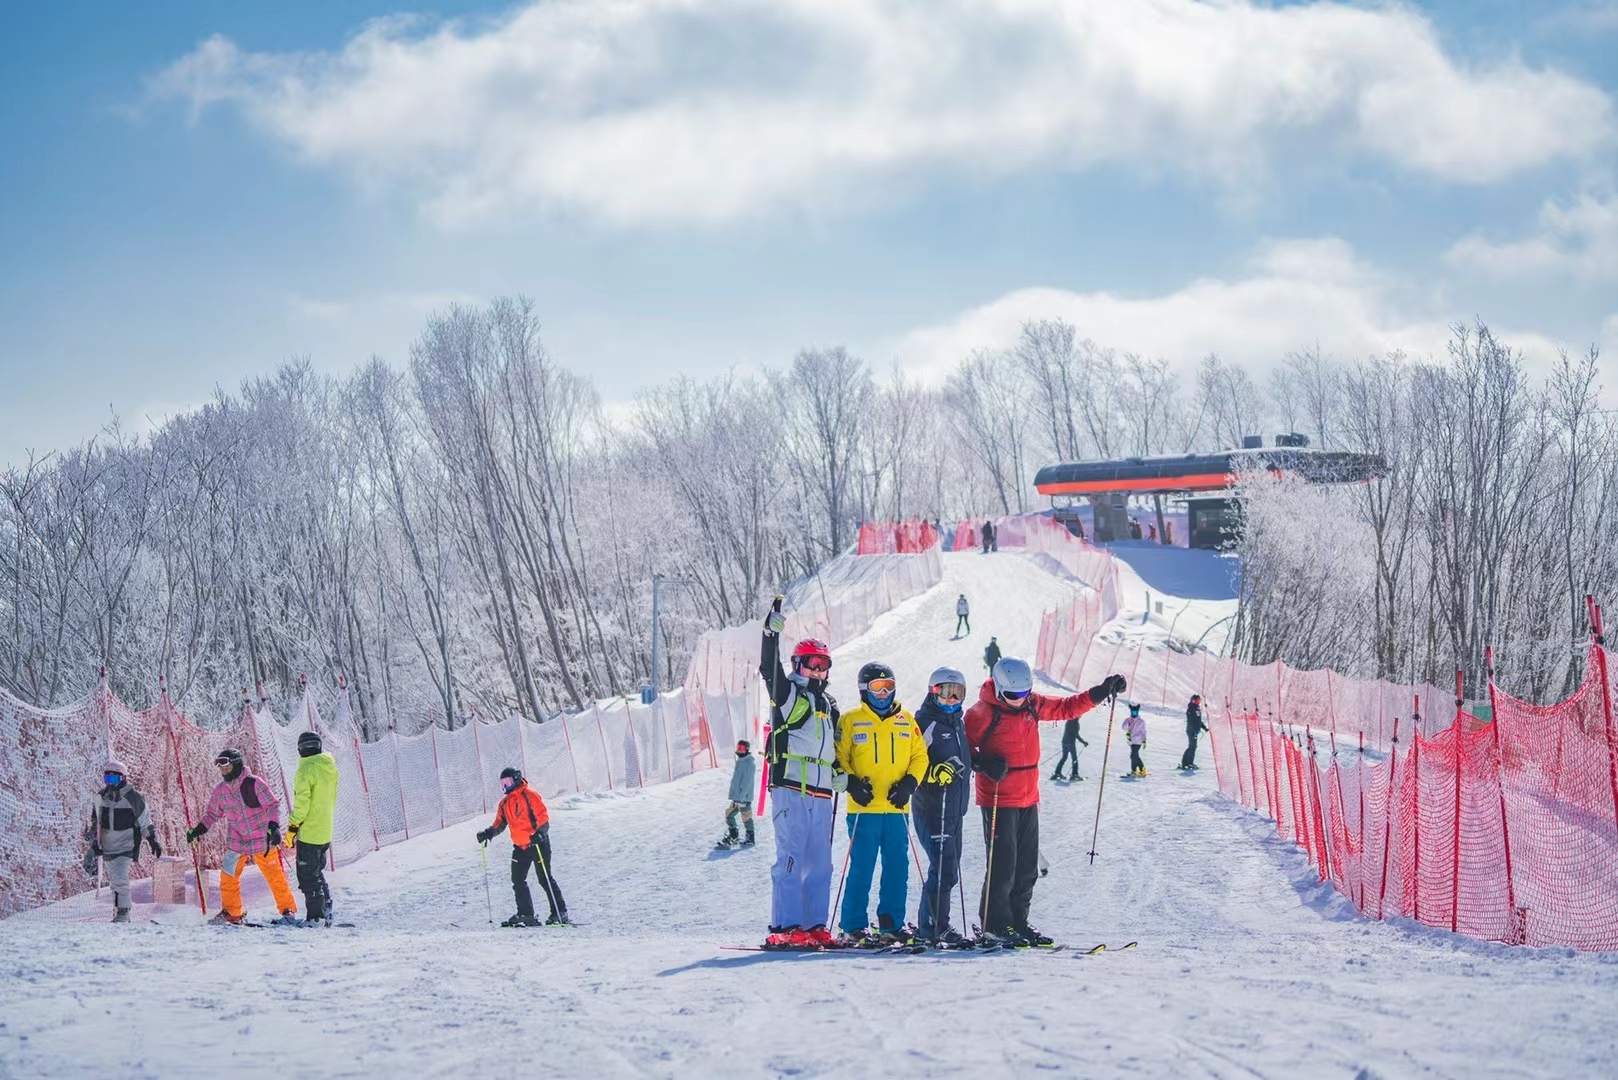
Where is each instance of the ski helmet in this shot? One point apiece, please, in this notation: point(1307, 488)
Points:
point(878, 687)
point(1196, 698)
point(232, 757)
point(308, 743)
point(810, 648)
point(1013, 678)
point(511, 773)
point(743, 746)
point(1134, 708)
point(946, 676)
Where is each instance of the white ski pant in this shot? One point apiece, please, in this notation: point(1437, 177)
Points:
point(118, 878)
point(801, 875)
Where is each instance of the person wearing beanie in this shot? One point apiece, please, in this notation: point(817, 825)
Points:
point(314, 809)
point(118, 822)
point(252, 816)
point(523, 811)
point(741, 796)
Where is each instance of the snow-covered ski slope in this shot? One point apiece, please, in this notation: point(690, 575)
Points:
point(1246, 967)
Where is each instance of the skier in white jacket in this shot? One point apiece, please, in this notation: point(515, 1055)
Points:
point(1135, 728)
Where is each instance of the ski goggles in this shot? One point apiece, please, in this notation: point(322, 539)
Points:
point(112, 779)
point(1013, 695)
point(949, 692)
point(881, 687)
point(816, 665)
point(507, 783)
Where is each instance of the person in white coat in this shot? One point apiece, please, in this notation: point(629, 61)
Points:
point(1135, 728)
point(962, 615)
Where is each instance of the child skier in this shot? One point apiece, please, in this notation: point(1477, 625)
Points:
point(741, 798)
point(1070, 749)
point(522, 809)
point(802, 755)
point(938, 808)
point(1135, 727)
point(252, 815)
point(117, 823)
point(880, 747)
point(1193, 727)
point(1002, 728)
point(314, 807)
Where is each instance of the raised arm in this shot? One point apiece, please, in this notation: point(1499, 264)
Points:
point(769, 659)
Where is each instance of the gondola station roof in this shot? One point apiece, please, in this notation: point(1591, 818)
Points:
point(1205, 472)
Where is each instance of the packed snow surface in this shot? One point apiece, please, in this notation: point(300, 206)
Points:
point(1246, 966)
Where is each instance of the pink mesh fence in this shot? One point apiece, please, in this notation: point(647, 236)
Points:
point(897, 538)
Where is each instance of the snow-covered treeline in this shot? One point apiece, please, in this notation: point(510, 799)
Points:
point(1498, 514)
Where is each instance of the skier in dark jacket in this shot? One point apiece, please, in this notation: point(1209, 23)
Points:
point(1193, 727)
point(1070, 749)
point(991, 654)
point(938, 808)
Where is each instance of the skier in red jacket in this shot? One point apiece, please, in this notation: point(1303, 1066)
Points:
point(1002, 728)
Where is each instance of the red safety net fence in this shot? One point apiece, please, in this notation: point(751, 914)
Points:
point(389, 789)
point(897, 538)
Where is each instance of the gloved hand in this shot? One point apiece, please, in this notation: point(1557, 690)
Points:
point(992, 767)
point(904, 787)
point(272, 836)
point(1111, 686)
point(151, 842)
point(775, 622)
point(860, 790)
point(485, 835)
point(292, 835)
point(90, 862)
point(195, 833)
point(943, 773)
point(839, 780)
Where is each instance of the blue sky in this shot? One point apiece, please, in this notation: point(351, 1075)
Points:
point(192, 193)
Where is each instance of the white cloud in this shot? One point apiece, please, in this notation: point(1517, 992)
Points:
point(678, 110)
point(1578, 240)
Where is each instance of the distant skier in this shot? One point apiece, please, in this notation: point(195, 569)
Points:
point(252, 813)
point(991, 655)
point(880, 747)
point(309, 826)
point(1193, 727)
point(1002, 728)
point(938, 809)
point(118, 822)
point(523, 811)
point(802, 755)
point(988, 537)
point(741, 797)
point(1070, 749)
point(1135, 727)
point(962, 615)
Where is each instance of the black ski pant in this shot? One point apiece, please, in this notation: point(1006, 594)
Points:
point(960, 621)
point(1008, 887)
point(1069, 750)
point(1135, 763)
point(939, 834)
point(311, 864)
point(537, 855)
point(1189, 758)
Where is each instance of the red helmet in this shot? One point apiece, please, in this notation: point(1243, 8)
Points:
point(810, 647)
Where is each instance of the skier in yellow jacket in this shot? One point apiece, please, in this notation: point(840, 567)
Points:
point(314, 805)
point(880, 747)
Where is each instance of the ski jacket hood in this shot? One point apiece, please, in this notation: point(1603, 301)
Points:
point(881, 749)
point(524, 812)
point(247, 806)
point(314, 798)
point(995, 730)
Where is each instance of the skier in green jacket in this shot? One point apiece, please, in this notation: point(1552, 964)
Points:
point(314, 805)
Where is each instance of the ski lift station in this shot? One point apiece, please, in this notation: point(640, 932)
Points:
point(1202, 482)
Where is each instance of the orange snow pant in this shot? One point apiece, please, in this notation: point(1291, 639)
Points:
point(230, 881)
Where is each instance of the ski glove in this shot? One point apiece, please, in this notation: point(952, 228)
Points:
point(485, 835)
point(992, 767)
point(839, 780)
point(151, 842)
point(775, 622)
point(860, 790)
point(272, 836)
point(943, 773)
point(1111, 686)
point(195, 833)
point(904, 787)
point(90, 863)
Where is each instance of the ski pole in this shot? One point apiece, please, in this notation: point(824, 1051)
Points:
point(988, 874)
point(837, 905)
point(915, 857)
point(1106, 750)
point(547, 881)
point(483, 849)
point(938, 890)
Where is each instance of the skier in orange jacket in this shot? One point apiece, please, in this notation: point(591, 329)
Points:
point(523, 811)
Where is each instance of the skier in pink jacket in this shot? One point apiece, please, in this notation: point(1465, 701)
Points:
point(252, 815)
point(1135, 727)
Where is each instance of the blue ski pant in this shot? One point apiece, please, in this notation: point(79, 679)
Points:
point(871, 836)
point(940, 836)
point(801, 876)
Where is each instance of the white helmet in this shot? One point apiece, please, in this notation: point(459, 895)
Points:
point(945, 675)
point(1013, 676)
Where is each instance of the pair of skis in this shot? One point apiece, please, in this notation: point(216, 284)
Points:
point(918, 948)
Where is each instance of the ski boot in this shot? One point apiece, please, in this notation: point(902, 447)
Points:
point(558, 919)
point(520, 919)
point(289, 917)
point(749, 841)
point(120, 914)
point(782, 937)
point(727, 842)
point(225, 918)
point(820, 937)
point(1029, 938)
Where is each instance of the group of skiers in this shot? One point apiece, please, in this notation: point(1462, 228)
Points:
point(251, 814)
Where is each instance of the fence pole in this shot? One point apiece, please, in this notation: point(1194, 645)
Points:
point(438, 774)
point(477, 752)
point(403, 811)
point(1517, 926)
point(1455, 882)
point(1599, 648)
point(1415, 768)
point(640, 766)
point(606, 758)
point(185, 804)
point(1387, 817)
point(1359, 780)
point(1236, 756)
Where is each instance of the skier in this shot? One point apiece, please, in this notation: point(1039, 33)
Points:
point(991, 655)
point(802, 756)
point(522, 809)
point(1070, 748)
point(314, 808)
point(741, 796)
point(988, 537)
point(962, 611)
point(1193, 727)
point(117, 823)
point(1002, 728)
point(880, 748)
point(253, 816)
point(1135, 727)
point(938, 808)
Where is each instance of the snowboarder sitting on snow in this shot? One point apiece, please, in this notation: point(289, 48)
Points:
point(802, 755)
point(1135, 727)
point(880, 747)
point(1002, 728)
point(253, 816)
point(309, 826)
point(991, 654)
point(117, 823)
point(938, 808)
point(962, 611)
point(741, 797)
point(1193, 727)
point(522, 809)
point(1070, 749)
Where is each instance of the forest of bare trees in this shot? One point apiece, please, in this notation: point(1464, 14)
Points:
point(469, 533)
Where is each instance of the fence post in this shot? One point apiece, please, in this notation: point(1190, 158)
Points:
point(1517, 924)
point(1599, 648)
point(606, 757)
point(1230, 725)
point(634, 740)
point(1455, 870)
point(185, 804)
point(477, 752)
point(438, 774)
point(1251, 723)
point(1387, 818)
point(404, 811)
point(1359, 780)
point(1415, 768)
